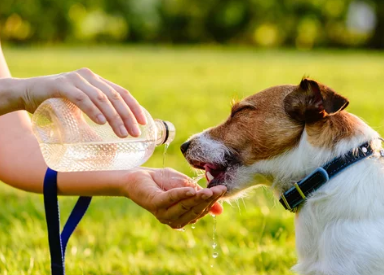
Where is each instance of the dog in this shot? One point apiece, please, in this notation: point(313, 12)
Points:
point(294, 133)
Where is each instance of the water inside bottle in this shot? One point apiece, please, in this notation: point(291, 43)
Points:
point(96, 155)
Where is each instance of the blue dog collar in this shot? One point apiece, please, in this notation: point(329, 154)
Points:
point(295, 196)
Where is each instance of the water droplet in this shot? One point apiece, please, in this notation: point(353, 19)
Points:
point(193, 226)
point(214, 244)
point(214, 230)
point(196, 179)
point(164, 153)
point(180, 229)
point(213, 215)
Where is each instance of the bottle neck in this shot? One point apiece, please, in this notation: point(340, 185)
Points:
point(165, 132)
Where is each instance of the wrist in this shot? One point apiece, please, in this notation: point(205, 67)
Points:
point(127, 182)
point(11, 90)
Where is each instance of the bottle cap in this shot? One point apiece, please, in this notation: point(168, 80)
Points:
point(170, 132)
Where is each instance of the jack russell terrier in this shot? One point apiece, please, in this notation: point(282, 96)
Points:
point(324, 164)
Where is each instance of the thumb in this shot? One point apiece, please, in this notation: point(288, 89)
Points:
point(216, 209)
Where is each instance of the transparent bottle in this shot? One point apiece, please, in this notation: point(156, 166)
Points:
point(70, 141)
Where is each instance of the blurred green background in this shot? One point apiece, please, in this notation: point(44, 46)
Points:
point(185, 62)
point(300, 23)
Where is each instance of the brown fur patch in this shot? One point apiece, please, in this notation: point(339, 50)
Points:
point(261, 131)
point(271, 122)
point(329, 131)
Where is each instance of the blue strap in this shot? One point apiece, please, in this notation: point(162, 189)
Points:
point(74, 219)
point(57, 242)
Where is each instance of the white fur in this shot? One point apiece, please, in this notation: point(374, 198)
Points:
point(340, 228)
point(208, 150)
point(205, 149)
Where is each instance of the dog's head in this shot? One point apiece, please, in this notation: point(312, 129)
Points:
point(263, 127)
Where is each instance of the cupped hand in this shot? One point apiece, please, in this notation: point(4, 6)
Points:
point(173, 198)
point(97, 97)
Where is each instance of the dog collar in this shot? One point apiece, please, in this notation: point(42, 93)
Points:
point(295, 196)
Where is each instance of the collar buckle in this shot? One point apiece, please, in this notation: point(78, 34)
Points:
point(296, 195)
point(285, 203)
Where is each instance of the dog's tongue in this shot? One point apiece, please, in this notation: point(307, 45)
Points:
point(212, 171)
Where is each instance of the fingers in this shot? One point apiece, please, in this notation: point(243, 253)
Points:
point(130, 100)
point(216, 209)
point(104, 101)
point(171, 197)
point(81, 100)
point(179, 205)
point(113, 106)
point(191, 209)
point(169, 178)
point(218, 192)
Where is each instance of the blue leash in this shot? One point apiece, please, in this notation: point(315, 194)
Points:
point(58, 242)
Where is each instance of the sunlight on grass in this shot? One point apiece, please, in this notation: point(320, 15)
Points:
point(193, 89)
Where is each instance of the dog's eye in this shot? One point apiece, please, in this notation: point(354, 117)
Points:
point(241, 108)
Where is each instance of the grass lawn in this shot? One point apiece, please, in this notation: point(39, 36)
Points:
point(192, 87)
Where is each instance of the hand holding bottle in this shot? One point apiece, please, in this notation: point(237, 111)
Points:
point(97, 97)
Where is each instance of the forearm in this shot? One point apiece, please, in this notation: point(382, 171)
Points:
point(4, 71)
point(11, 94)
point(22, 165)
point(93, 183)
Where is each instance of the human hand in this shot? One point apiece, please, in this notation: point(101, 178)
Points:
point(172, 197)
point(97, 97)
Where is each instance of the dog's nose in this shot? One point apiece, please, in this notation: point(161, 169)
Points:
point(184, 146)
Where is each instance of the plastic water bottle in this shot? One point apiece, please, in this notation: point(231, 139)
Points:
point(71, 142)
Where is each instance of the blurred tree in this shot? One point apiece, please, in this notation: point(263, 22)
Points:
point(228, 19)
point(299, 23)
point(47, 20)
point(377, 40)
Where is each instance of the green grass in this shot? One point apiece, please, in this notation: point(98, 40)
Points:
point(192, 87)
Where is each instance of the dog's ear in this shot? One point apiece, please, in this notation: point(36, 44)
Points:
point(312, 101)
